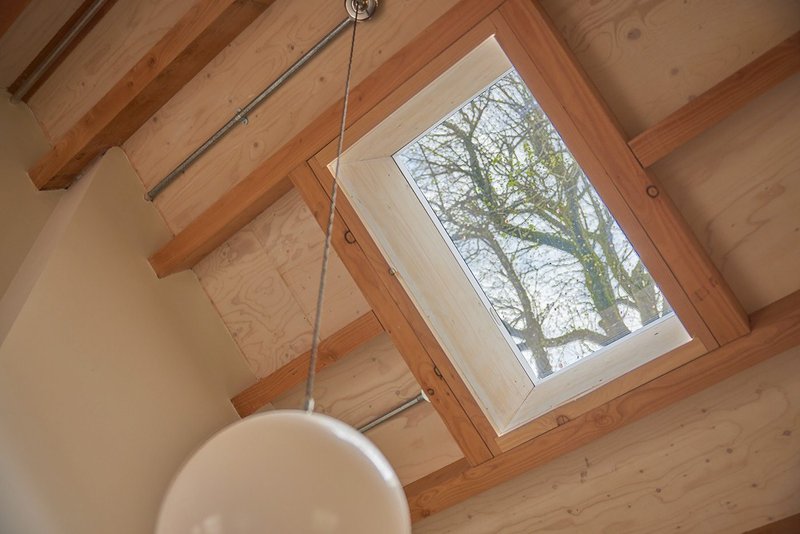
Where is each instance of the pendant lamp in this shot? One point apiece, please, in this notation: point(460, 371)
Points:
point(290, 471)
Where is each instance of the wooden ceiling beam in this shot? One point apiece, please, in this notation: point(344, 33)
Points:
point(787, 525)
point(585, 122)
point(12, 9)
point(255, 192)
point(402, 321)
point(59, 36)
point(775, 329)
point(198, 37)
point(331, 350)
point(726, 97)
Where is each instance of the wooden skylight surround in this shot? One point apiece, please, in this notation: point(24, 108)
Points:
point(424, 297)
point(483, 343)
point(531, 234)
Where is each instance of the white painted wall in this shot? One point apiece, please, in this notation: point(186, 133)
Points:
point(109, 377)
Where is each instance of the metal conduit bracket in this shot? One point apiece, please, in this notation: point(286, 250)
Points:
point(364, 8)
point(241, 117)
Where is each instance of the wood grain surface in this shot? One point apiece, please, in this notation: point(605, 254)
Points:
point(722, 461)
point(331, 350)
point(725, 98)
point(737, 186)
point(31, 31)
point(648, 59)
point(366, 384)
point(263, 281)
point(207, 27)
point(776, 329)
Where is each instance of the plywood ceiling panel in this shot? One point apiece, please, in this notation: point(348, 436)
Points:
point(264, 280)
point(649, 58)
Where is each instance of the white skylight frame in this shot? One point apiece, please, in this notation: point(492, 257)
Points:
point(371, 154)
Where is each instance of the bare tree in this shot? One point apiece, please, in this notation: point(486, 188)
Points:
point(543, 246)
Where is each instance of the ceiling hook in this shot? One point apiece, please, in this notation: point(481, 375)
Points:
point(364, 8)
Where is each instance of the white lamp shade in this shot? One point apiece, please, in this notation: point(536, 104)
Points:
point(286, 472)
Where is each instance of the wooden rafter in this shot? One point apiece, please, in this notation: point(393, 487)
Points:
point(331, 350)
point(726, 97)
point(257, 191)
point(787, 525)
point(198, 36)
point(368, 268)
point(54, 42)
point(593, 134)
point(775, 329)
point(12, 9)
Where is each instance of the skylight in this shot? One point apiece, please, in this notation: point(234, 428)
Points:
point(532, 231)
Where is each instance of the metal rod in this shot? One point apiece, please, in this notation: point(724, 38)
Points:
point(403, 407)
point(42, 67)
point(241, 115)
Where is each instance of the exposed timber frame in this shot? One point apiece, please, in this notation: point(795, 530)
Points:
point(776, 328)
point(677, 261)
point(331, 350)
point(726, 97)
point(595, 138)
point(269, 181)
point(60, 45)
point(198, 37)
point(724, 342)
point(787, 525)
point(401, 319)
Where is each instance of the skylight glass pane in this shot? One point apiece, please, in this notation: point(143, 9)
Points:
point(541, 244)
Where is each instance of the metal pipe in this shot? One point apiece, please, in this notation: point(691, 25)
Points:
point(42, 67)
point(241, 114)
point(403, 407)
